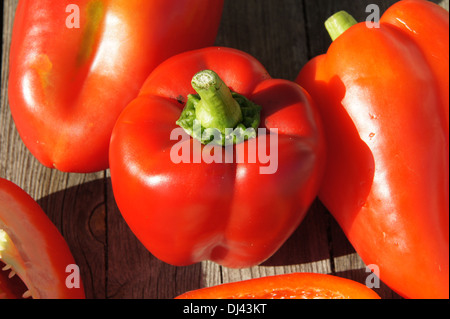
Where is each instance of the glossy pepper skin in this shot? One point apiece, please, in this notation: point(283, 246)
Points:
point(383, 97)
point(68, 84)
point(32, 248)
point(287, 286)
point(229, 213)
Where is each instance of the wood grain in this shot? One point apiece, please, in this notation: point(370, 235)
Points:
point(283, 35)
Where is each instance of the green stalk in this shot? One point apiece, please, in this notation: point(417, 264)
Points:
point(216, 111)
point(217, 108)
point(338, 23)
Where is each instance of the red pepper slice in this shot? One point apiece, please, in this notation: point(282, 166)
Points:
point(68, 84)
point(383, 96)
point(32, 247)
point(228, 212)
point(288, 286)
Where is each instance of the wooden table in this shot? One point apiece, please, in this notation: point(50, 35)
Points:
point(283, 35)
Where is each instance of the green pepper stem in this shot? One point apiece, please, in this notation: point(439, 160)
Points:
point(217, 107)
point(338, 23)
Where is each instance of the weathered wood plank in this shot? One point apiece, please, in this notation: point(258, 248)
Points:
point(79, 212)
point(132, 272)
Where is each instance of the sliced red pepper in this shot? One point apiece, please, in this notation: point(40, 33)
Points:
point(288, 286)
point(32, 248)
point(383, 96)
point(228, 212)
point(69, 83)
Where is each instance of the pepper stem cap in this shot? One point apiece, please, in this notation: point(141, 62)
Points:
point(216, 114)
point(338, 23)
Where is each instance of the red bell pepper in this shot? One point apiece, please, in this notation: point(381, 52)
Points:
point(226, 203)
point(32, 247)
point(288, 286)
point(69, 81)
point(383, 96)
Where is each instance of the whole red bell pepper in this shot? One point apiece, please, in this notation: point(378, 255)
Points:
point(383, 96)
point(287, 286)
point(233, 199)
point(32, 248)
point(74, 67)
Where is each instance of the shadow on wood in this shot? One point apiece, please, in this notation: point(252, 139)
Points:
point(113, 263)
